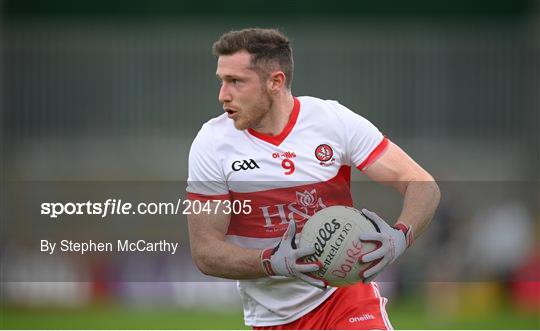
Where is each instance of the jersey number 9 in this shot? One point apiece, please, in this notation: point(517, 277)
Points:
point(288, 165)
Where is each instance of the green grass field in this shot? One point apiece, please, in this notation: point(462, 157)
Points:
point(402, 315)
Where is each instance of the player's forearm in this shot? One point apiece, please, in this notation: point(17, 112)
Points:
point(420, 201)
point(226, 260)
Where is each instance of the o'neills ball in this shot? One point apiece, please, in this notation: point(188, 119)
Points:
point(334, 232)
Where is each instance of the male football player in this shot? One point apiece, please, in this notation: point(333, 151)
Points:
point(289, 157)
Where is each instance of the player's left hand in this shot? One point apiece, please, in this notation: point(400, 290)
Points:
point(391, 243)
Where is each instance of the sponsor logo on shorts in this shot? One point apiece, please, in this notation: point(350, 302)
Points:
point(362, 318)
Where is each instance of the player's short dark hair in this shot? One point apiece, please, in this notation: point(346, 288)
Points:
point(270, 50)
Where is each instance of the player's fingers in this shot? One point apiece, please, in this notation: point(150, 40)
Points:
point(375, 218)
point(374, 255)
point(372, 272)
point(369, 279)
point(307, 266)
point(374, 269)
point(375, 237)
point(290, 232)
point(302, 252)
point(371, 215)
point(319, 283)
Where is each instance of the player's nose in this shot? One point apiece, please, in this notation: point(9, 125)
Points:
point(224, 95)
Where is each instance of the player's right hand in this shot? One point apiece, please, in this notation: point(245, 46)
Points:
point(287, 260)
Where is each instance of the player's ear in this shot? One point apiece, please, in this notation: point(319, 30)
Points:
point(276, 81)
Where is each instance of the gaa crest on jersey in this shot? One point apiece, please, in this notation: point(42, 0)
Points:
point(325, 154)
point(244, 165)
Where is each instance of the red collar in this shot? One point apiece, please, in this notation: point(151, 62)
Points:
point(277, 140)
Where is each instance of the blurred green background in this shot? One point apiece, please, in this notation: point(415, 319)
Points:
point(116, 90)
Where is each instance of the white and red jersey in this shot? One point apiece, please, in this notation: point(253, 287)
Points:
point(287, 177)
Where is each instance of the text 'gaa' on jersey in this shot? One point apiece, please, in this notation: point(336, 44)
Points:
point(244, 165)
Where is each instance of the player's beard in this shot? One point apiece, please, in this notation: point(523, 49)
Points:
point(253, 117)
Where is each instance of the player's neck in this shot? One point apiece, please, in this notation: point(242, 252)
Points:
point(278, 116)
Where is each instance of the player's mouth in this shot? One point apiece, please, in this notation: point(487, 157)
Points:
point(230, 112)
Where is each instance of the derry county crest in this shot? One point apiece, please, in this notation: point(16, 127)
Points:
point(325, 154)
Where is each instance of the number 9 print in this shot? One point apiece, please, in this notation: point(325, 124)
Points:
point(288, 165)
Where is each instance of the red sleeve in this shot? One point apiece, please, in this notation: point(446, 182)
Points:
point(374, 155)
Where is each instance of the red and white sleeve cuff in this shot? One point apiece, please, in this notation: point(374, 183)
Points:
point(374, 155)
